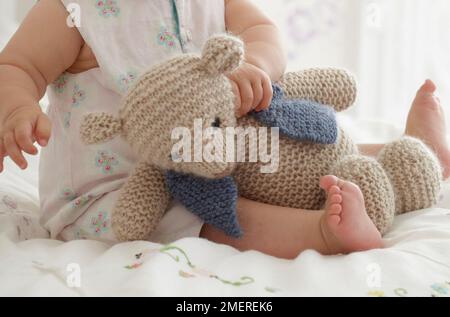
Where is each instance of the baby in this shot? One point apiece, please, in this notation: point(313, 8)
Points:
point(90, 67)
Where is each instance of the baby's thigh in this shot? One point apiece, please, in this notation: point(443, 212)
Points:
point(96, 223)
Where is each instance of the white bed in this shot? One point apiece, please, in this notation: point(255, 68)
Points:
point(416, 261)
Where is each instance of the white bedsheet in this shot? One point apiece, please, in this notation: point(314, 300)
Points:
point(416, 261)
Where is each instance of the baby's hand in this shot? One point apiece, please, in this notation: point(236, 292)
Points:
point(20, 130)
point(252, 87)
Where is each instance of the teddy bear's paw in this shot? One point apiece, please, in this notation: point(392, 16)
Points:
point(99, 127)
point(414, 172)
point(329, 86)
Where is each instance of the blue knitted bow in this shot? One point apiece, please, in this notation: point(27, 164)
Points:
point(214, 201)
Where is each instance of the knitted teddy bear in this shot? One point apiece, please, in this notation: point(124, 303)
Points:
point(404, 177)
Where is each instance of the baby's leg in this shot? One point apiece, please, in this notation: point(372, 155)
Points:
point(95, 224)
point(342, 227)
point(426, 122)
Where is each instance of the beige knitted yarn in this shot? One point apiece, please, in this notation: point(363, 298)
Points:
point(141, 204)
point(327, 86)
point(415, 174)
point(301, 165)
point(176, 93)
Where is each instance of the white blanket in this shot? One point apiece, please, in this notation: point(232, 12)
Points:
point(415, 262)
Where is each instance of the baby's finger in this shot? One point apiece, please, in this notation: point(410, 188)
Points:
point(2, 154)
point(43, 130)
point(13, 151)
point(258, 93)
point(245, 87)
point(24, 138)
point(237, 95)
point(268, 95)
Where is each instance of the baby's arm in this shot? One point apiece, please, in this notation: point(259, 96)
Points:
point(262, 39)
point(265, 58)
point(41, 50)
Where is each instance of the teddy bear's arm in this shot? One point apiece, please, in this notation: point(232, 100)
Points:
point(142, 202)
point(329, 86)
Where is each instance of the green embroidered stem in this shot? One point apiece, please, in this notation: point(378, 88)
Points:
point(245, 280)
point(176, 258)
point(401, 292)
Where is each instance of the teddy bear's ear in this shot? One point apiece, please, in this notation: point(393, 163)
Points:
point(99, 127)
point(222, 54)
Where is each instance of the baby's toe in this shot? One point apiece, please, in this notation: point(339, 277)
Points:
point(327, 182)
point(334, 190)
point(336, 199)
point(429, 87)
point(335, 209)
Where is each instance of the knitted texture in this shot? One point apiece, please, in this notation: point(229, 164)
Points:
point(212, 200)
point(99, 128)
point(375, 185)
point(301, 165)
point(415, 174)
point(215, 201)
point(301, 120)
point(142, 202)
point(328, 86)
point(176, 93)
point(222, 54)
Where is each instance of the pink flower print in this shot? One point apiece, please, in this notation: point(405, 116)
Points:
point(78, 96)
point(166, 38)
point(134, 266)
point(126, 80)
point(108, 8)
point(68, 194)
point(61, 83)
point(100, 223)
point(81, 201)
point(9, 202)
point(106, 161)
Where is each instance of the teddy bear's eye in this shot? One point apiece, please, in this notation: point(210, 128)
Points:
point(217, 122)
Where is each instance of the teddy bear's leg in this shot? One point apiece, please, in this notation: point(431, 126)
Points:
point(374, 183)
point(142, 202)
point(415, 174)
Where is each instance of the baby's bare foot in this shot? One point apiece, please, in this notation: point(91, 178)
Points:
point(345, 225)
point(426, 121)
